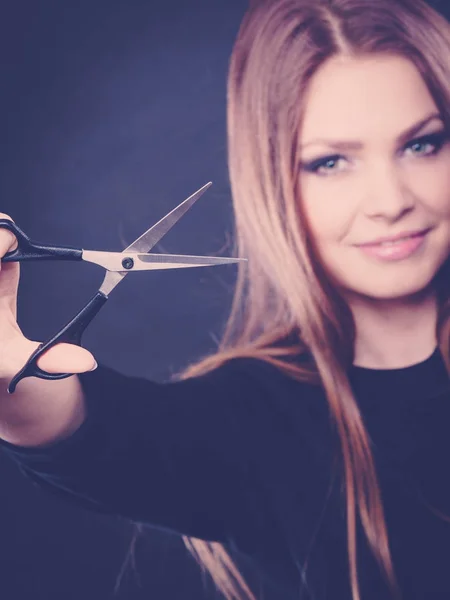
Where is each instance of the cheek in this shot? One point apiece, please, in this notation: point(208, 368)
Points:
point(329, 216)
point(439, 205)
point(431, 186)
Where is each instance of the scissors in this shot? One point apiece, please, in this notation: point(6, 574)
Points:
point(136, 257)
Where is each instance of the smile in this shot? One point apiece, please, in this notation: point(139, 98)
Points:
point(397, 249)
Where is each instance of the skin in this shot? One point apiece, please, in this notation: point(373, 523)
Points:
point(382, 189)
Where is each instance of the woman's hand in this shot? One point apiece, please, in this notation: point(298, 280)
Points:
point(15, 348)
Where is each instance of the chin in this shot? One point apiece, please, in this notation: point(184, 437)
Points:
point(390, 290)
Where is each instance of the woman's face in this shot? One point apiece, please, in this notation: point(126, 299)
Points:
point(387, 182)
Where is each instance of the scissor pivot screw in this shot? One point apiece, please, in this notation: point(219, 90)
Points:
point(128, 263)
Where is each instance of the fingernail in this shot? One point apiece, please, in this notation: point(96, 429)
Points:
point(94, 367)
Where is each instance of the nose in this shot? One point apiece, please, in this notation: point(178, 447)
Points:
point(387, 197)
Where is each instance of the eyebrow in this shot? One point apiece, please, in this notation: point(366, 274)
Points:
point(357, 145)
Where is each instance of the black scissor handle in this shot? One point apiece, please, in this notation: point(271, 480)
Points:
point(28, 250)
point(71, 334)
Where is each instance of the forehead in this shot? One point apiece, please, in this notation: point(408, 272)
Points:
point(379, 95)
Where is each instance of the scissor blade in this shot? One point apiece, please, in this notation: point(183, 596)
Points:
point(151, 237)
point(132, 261)
point(173, 261)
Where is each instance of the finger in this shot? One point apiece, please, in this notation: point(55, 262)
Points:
point(8, 240)
point(66, 358)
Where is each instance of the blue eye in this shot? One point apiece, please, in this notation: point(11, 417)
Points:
point(315, 165)
point(436, 140)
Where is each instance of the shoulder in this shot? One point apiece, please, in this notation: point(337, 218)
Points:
point(253, 372)
point(265, 388)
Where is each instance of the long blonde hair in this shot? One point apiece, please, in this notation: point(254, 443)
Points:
point(283, 289)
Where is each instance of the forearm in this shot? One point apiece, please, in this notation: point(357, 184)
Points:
point(40, 411)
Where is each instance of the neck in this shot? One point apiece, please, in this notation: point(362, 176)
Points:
point(392, 334)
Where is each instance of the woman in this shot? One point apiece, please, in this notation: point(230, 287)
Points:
point(316, 439)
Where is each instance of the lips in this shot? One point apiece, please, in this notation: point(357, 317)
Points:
point(399, 240)
point(400, 248)
point(391, 240)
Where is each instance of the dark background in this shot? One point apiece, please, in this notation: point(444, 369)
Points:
point(112, 113)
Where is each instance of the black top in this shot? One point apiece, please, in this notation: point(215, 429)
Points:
point(246, 456)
